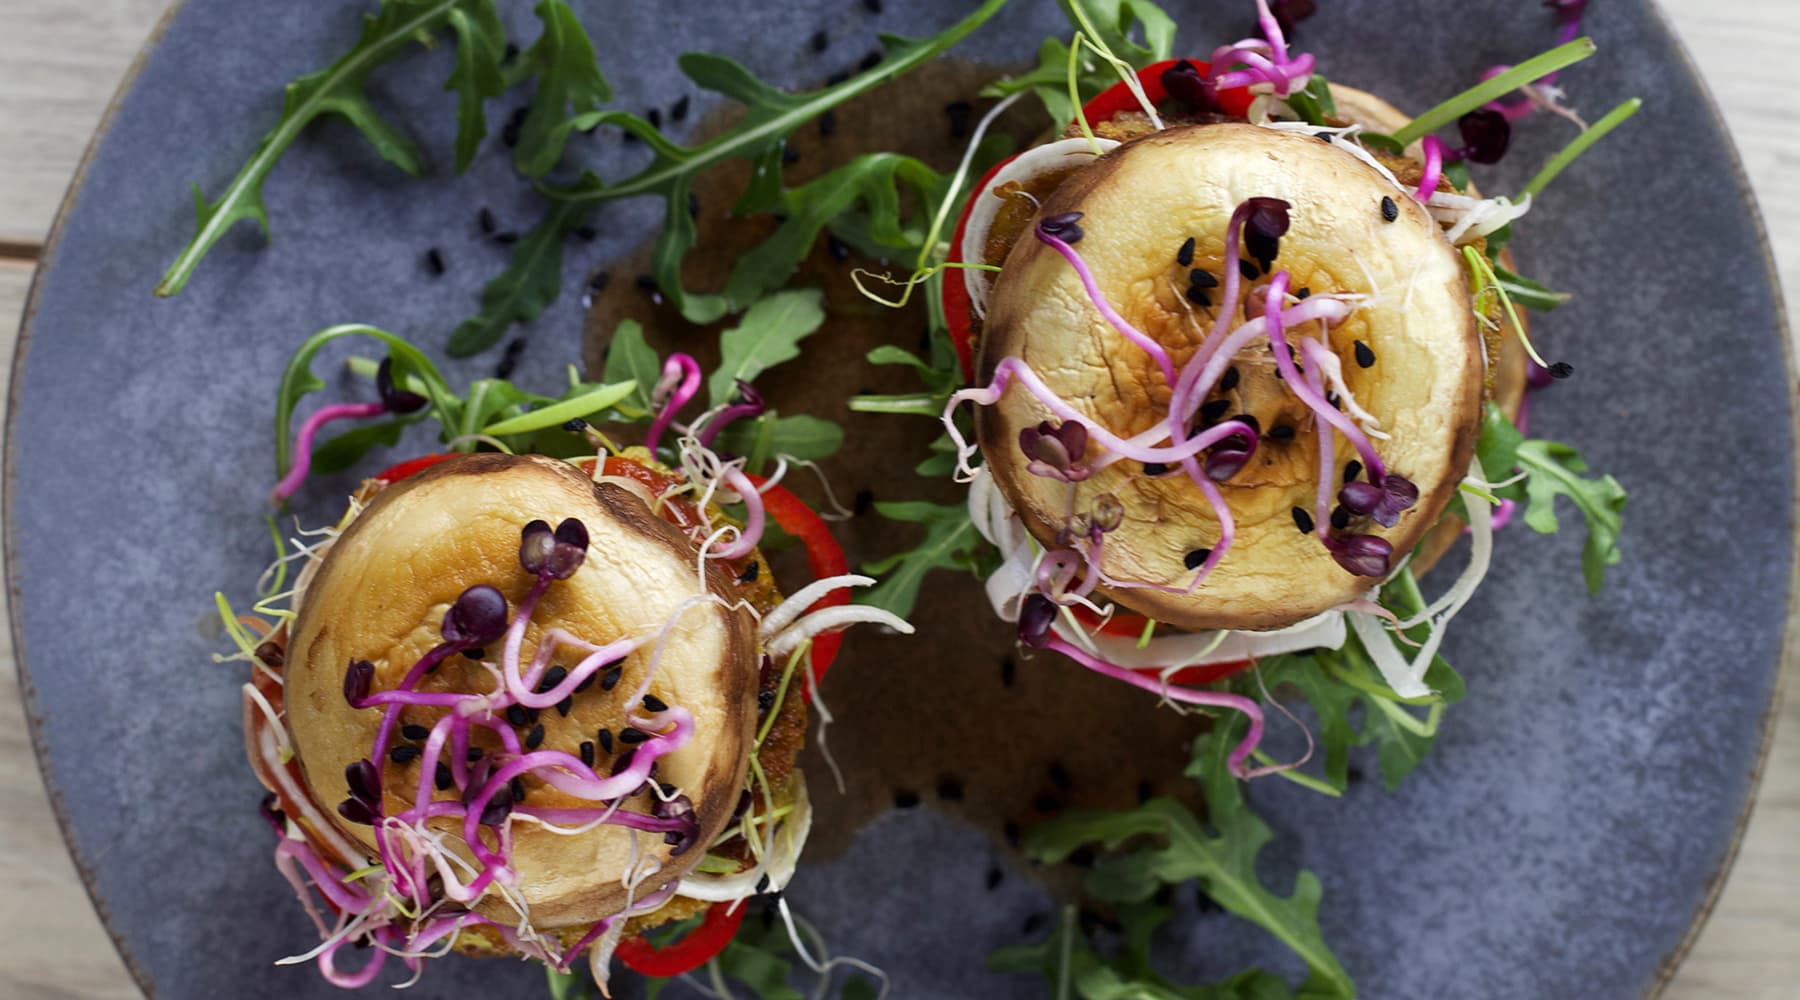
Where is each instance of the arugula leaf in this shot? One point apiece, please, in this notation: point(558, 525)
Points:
point(1314, 102)
point(769, 334)
point(1527, 292)
point(298, 380)
point(337, 89)
point(479, 76)
point(569, 81)
point(1498, 446)
point(629, 358)
point(1067, 960)
point(1222, 859)
point(1111, 22)
point(1556, 471)
point(769, 116)
point(532, 280)
point(800, 436)
point(950, 541)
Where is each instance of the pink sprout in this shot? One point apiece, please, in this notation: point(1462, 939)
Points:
point(745, 543)
point(1433, 148)
point(303, 442)
point(679, 383)
point(1111, 315)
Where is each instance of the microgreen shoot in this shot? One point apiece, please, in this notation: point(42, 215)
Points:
point(1579, 145)
point(1483, 279)
point(1499, 86)
point(950, 542)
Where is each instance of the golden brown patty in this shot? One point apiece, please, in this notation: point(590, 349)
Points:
point(1139, 203)
point(384, 586)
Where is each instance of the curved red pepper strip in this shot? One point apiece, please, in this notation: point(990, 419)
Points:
point(689, 953)
point(1131, 626)
point(400, 470)
point(824, 556)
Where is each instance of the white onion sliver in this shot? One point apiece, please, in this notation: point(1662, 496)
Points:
point(1037, 161)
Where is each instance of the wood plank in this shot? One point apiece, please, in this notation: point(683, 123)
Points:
point(63, 61)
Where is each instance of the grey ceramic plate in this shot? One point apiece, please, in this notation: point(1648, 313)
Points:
point(1564, 838)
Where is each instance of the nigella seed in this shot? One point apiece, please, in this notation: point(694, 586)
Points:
point(1212, 411)
point(828, 124)
point(504, 369)
point(507, 238)
point(678, 111)
point(872, 6)
point(474, 754)
point(443, 778)
point(598, 282)
point(1202, 279)
point(1059, 775)
point(1365, 356)
point(750, 573)
point(1155, 469)
point(820, 41)
point(587, 682)
point(413, 732)
point(1145, 791)
point(552, 677)
point(611, 679)
point(1033, 924)
point(789, 155)
point(1302, 520)
point(994, 877)
point(870, 60)
point(836, 78)
point(864, 502)
point(511, 53)
point(654, 117)
point(1303, 293)
point(485, 219)
point(958, 113)
point(839, 250)
point(586, 233)
point(631, 735)
point(1389, 209)
point(565, 706)
point(1561, 369)
point(1340, 518)
point(1011, 832)
point(654, 704)
point(950, 788)
point(1198, 296)
point(1081, 857)
point(1248, 270)
point(587, 752)
point(1185, 256)
point(1229, 380)
point(518, 789)
point(478, 654)
point(693, 205)
point(606, 740)
point(1196, 558)
point(405, 753)
point(515, 714)
point(1009, 672)
point(1281, 432)
point(905, 798)
point(1352, 469)
point(434, 261)
point(535, 738)
point(646, 282)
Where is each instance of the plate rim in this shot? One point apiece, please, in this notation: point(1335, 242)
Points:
point(1665, 970)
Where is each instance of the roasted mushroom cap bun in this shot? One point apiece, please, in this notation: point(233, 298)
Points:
point(514, 709)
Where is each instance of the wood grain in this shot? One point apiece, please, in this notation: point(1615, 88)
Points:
point(63, 61)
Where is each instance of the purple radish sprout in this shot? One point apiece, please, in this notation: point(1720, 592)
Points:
point(745, 543)
point(1111, 315)
point(1433, 148)
point(750, 404)
point(1284, 362)
point(679, 383)
point(1055, 451)
point(393, 400)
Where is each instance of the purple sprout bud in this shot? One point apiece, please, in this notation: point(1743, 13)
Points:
point(1230, 455)
point(748, 396)
point(1264, 227)
point(1291, 12)
point(1035, 619)
point(567, 555)
point(356, 812)
point(1566, 10)
point(1108, 514)
point(395, 399)
point(535, 542)
point(359, 677)
point(1398, 494)
point(478, 617)
point(1364, 555)
point(364, 781)
point(497, 810)
point(1183, 82)
point(1485, 136)
point(681, 809)
point(270, 808)
point(1063, 227)
point(1359, 497)
point(1054, 451)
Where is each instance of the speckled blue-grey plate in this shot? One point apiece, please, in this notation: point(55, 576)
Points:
point(1564, 838)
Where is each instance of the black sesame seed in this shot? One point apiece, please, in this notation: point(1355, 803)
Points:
point(1212, 411)
point(1009, 672)
point(1229, 380)
point(1281, 432)
point(828, 124)
point(905, 798)
point(511, 53)
point(412, 732)
point(1059, 775)
point(1196, 558)
point(1033, 924)
point(507, 238)
point(623, 761)
point(598, 281)
point(611, 679)
point(443, 778)
point(994, 876)
point(405, 753)
point(1198, 296)
point(1081, 857)
point(1352, 469)
point(587, 752)
point(434, 261)
point(870, 60)
point(474, 754)
point(1145, 791)
point(750, 572)
point(1562, 369)
point(632, 735)
point(654, 704)
point(820, 41)
point(485, 219)
point(1389, 209)
point(1365, 356)
point(654, 117)
point(1202, 279)
point(552, 677)
point(790, 155)
point(839, 250)
point(628, 137)
point(950, 788)
point(535, 738)
point(1353, 775)
point(646, 282)
point(1248, 270)
point(958, 113)
point(1010, 830)
point(502, 369)
point(1302, 520)
point(872, 6)
point(1185, 256)
point(1155, 469)
point(518, 789)
point(515, 714)
point(587, 682)
point(693, 205)
point(605, 738)
point(478, 654)
point(836, 78)
point(863, 503)
point(1340, 518)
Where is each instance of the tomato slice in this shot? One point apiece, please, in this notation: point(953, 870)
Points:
point(689, 953)
point(824, 556)
point(1113, 100)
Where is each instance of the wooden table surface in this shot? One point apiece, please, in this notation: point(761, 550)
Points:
point(61, 62)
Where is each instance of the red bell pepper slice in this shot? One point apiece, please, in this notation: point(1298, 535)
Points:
point(1131, 626)
point(824, 556)
point(689, 953)
point(400, 470)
